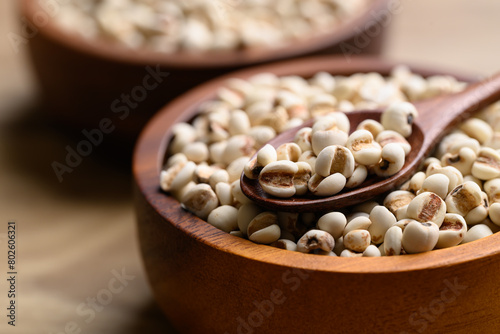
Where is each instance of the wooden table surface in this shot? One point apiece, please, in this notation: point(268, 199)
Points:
point(74, 237)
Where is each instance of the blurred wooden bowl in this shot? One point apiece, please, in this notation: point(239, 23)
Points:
point(81, 80)
point(208, 281)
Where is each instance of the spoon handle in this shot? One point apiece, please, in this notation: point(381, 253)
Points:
point(437, 115)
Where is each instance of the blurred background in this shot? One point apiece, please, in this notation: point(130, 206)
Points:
point(75, 236)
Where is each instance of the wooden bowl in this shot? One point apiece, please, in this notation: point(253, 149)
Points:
point(208, 281)
point(80, 80)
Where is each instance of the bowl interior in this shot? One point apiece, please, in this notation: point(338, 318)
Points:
point(149, 157)
point(370, 16)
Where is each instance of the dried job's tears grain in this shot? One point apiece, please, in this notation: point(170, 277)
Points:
point(454, 198)
point(192, 25)
point(337, 160)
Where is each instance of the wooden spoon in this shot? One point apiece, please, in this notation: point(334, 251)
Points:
point(435, 117)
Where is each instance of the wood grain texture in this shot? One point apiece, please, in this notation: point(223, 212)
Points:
point(436, 117)
point(208, 281)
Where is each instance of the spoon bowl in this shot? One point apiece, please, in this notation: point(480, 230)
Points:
point(436, 117)
point(310, 202)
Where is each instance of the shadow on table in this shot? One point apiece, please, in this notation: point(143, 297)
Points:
point(56, 157)
point(152, 320)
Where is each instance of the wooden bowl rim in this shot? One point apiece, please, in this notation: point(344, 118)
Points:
point(148, 158)
point(222, 59)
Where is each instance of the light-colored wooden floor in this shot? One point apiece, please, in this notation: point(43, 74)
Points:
point(72, 235)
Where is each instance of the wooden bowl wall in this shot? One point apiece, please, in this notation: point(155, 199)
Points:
point(208, 281)
point(80, 79)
